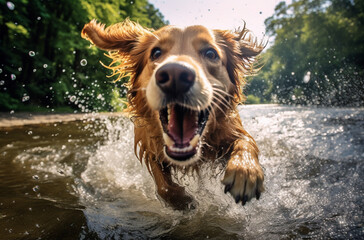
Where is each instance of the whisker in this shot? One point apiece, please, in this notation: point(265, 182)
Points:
point(222, 103)
point(217, 106)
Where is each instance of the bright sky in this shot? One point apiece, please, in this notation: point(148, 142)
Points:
point(223, 14)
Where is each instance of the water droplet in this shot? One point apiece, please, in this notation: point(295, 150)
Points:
point(30, 132)
point(36, 188)
point(1, 70)
point(45, 65)
point(50, 88)
point(39, 18)
point(292, 73)
point(31, 53)
point(10, 5)
point(12, 112)
point(34, 70)
point(307, 77)
point(2, 82)
point(35, 177)
point(63, 70)
point(83, 62)
point(12, 76)
point(20, 69)
point(73, 98)
point(25, 98)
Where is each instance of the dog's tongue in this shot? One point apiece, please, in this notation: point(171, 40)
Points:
point(182, 125)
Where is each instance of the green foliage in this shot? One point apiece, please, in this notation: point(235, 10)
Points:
point(318, 53)
point(45, 64)
point(251, 99)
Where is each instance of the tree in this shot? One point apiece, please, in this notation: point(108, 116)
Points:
point(318, 53)
point(45, 64)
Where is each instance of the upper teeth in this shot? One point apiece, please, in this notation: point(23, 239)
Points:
point(194, 140)
point(168, 141)
point(169, 112)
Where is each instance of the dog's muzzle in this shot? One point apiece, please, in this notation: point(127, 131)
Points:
point(182, 124)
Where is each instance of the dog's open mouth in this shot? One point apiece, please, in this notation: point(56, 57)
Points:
point(182, 128)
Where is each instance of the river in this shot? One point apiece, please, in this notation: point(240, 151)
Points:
point(81, 180)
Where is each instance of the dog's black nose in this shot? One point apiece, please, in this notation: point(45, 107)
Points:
point(175, 78)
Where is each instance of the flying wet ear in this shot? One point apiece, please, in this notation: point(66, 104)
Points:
point(248, 43)
point(121, 36)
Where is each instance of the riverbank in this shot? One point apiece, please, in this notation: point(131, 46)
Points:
point(13, 120)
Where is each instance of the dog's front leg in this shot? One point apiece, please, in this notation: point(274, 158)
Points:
point(169, 191)
point(243, 175)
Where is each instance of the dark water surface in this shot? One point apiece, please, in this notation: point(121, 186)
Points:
point(81, 180)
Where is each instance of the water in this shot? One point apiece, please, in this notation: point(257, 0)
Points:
point(81, 180)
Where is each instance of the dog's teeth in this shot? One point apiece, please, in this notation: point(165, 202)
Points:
point(194, 141)
point(168, 141)
point(169, 112)
point(181, 150)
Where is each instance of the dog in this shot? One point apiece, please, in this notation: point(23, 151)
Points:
point(183, 91)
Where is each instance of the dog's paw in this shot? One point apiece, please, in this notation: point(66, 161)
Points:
point(243, 179)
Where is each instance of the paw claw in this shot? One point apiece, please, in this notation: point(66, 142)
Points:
point(227, 188)
point(237, 198)
point(257, 194)
point(244, 200)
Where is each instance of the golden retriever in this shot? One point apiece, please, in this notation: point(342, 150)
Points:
point(183, 90)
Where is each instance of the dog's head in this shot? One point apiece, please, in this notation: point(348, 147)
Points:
point(184, 77)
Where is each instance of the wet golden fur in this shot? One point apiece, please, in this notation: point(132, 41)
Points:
point(129, 46)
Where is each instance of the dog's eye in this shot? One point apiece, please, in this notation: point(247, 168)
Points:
point(156, 53)
point(211, 54)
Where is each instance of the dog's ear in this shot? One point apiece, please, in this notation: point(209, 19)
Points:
point(241, 50)
point(248, 43)
point(121, 36)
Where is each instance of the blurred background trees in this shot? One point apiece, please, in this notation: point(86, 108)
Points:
point(45, 65)
point(317, 56)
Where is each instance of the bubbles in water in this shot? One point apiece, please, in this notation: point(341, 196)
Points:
point(307, 77)
point(72, 98)
point(36, 188)
point(20, 69)
point(30, 132)
point(12, 76)
point(45, 65)
point(292, 73)
point(31, 53)
point(2, 82)
point(83, 62)
point(10, 5)
point(39, 18)
point(25, 98)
